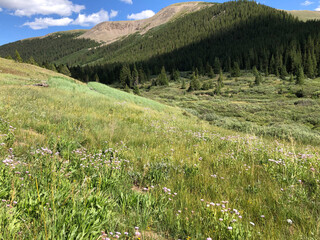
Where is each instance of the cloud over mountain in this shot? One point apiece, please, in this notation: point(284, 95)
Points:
point(142, 15)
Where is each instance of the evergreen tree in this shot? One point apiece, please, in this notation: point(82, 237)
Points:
point(136, 90)
point(216, 66)
point(135, 75)
point(162, 78)
point(194, 83)
point(18, 57)
point(235, 70)
point(255, 71)
point(125, 76)
point(221, 79)
point(142, 76)
point(9, 57)
point(32, 61)
point(176, 75)
point(291, 78)
point(300, 76)
point(258, 79)
point(96, 78)
point(63, 69)
point(283, 73)
point(183, 85)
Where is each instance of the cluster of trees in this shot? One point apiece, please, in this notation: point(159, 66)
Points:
point(53, 48)
point(62, 68)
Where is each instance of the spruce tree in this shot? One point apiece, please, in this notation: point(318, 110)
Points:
point(136, 90)
point(135, 75)
point(183, 85)
point(96, 78)
point(216, 66)
point(194, 83)
point(162, 78)
point(18, 57)
point(300, 76)
point(176, 75)
point(235, 70)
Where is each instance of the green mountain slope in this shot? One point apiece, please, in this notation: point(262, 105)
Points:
point(87, 161)
point(241, 32)
point(50, 48)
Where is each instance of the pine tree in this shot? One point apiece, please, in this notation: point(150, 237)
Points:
point(96, 78)
point(216, 66)
point(136, 90)
point(300, 76)
point(142, 76)
point(236, 70)
point(32, 61)
point(283, 73)
point(221, 79)
point(162, 78)
point(176, 75)
point(183, 85)
point(64, 70)
point(194, 83)
point(291, 78)
point(135, 75)
point(258, 79)
point(18, 57)
point(125, 76)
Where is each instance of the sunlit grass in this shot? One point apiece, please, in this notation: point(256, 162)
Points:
point(80, 162)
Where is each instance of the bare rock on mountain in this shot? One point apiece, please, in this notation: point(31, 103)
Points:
point(109, 32)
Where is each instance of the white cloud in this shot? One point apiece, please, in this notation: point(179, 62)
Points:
point(0, 9)
point(307, 3)
point(142, 15)
point(127, 1)
point(113, 14)
point(44, 7)
point(42, 23)
point(95, 18)
point(82, 20)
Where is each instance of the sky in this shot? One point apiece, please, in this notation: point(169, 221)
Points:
point(20, 19)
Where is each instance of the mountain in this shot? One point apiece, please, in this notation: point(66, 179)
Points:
point(108, 32)
point(240, 33)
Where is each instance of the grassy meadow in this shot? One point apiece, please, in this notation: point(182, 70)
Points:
point(91, 162)
point(271, 109)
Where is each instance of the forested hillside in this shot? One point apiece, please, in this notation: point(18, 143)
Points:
point(228, 35)
point(50, 48)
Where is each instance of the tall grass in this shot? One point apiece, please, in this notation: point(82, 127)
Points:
point(89, 162)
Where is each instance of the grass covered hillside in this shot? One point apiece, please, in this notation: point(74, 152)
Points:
point(90, 162)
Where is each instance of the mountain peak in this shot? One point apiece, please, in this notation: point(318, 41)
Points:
point(109, 32)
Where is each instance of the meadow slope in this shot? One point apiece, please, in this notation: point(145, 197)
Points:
point(90, 162)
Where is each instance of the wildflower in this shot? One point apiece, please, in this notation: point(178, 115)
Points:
point(229, 228)
point(262, 216)
point(220, 219)
point(209, 238)
point(289, 221)
point(252, 223)
point(136, 228)
point(138, 234)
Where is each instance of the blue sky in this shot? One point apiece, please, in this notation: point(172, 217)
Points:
point(20, 19)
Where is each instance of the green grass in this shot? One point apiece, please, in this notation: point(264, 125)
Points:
point(78, 160)
point(271, 109)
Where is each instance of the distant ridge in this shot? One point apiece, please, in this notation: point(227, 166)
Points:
point(109, 32)
point(305, 15)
